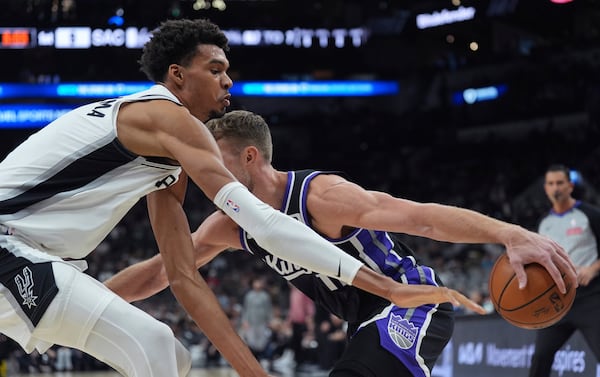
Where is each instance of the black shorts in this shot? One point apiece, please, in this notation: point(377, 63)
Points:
point(365, 357)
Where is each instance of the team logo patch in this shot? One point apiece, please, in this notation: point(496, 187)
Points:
point(402, 332)
point(232, 205)
point(25, 285)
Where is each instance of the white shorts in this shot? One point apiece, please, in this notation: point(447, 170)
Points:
point(30, 313)
point(46, 301)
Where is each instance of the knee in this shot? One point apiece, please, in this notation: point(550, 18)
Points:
point(158, 339)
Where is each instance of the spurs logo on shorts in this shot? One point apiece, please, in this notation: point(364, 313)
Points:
point(402, 332)
point(25, 284)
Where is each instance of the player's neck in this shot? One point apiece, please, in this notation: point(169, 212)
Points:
point(270, 185)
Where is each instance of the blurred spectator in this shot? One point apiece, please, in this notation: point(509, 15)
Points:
point(7, 347)
point(64, 359)
point(257, 311)
point(331, 339)
point(301, 316)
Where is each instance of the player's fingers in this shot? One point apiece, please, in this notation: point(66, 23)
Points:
point(462, 300)
point(520, 274)
point(478, 309)
point(565, 262)
point(557, 276)
point(474, 307)
point(452, 296)
point(562, 259)
point(568, 269)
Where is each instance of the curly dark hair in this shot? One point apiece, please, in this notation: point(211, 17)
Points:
point(176, 41)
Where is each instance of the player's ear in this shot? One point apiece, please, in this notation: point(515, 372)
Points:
point(175, 73)
point(250, 154)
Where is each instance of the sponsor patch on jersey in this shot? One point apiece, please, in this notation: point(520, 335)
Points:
point(574, 231)
point(401, 331)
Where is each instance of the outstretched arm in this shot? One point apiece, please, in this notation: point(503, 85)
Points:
point(140, 280)
point(218, 232)
point(334, 200)
point(172, 233)
point(409, 296)
point(146, 278)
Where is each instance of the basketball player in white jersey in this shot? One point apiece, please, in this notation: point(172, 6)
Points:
point(69, 184)
point(398, 339)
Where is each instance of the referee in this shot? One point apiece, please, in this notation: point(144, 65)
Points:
point(575, 225)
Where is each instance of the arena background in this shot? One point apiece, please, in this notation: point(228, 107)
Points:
point(484, 95)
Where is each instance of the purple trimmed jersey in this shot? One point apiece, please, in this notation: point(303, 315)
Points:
point(415, 336)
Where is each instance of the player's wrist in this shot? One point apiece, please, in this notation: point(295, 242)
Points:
point(509, 234)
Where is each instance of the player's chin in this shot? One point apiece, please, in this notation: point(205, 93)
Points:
point(218, 113)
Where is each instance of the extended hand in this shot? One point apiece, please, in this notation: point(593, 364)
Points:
point(409, 296)
point(530, 247)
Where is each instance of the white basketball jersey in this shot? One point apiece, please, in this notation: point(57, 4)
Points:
point(70, 183)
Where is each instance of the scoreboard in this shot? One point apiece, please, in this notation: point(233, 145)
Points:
point(17, 37)
point(85, 37)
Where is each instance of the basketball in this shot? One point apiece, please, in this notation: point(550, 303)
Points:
point(540, 304)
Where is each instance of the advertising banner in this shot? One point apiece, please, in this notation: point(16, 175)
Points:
point(491, 347)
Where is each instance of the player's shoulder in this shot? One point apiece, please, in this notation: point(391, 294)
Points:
point(156, 113)
point(159, 105)
point(324, 179)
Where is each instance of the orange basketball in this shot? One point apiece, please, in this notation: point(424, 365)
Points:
point(540, 304)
